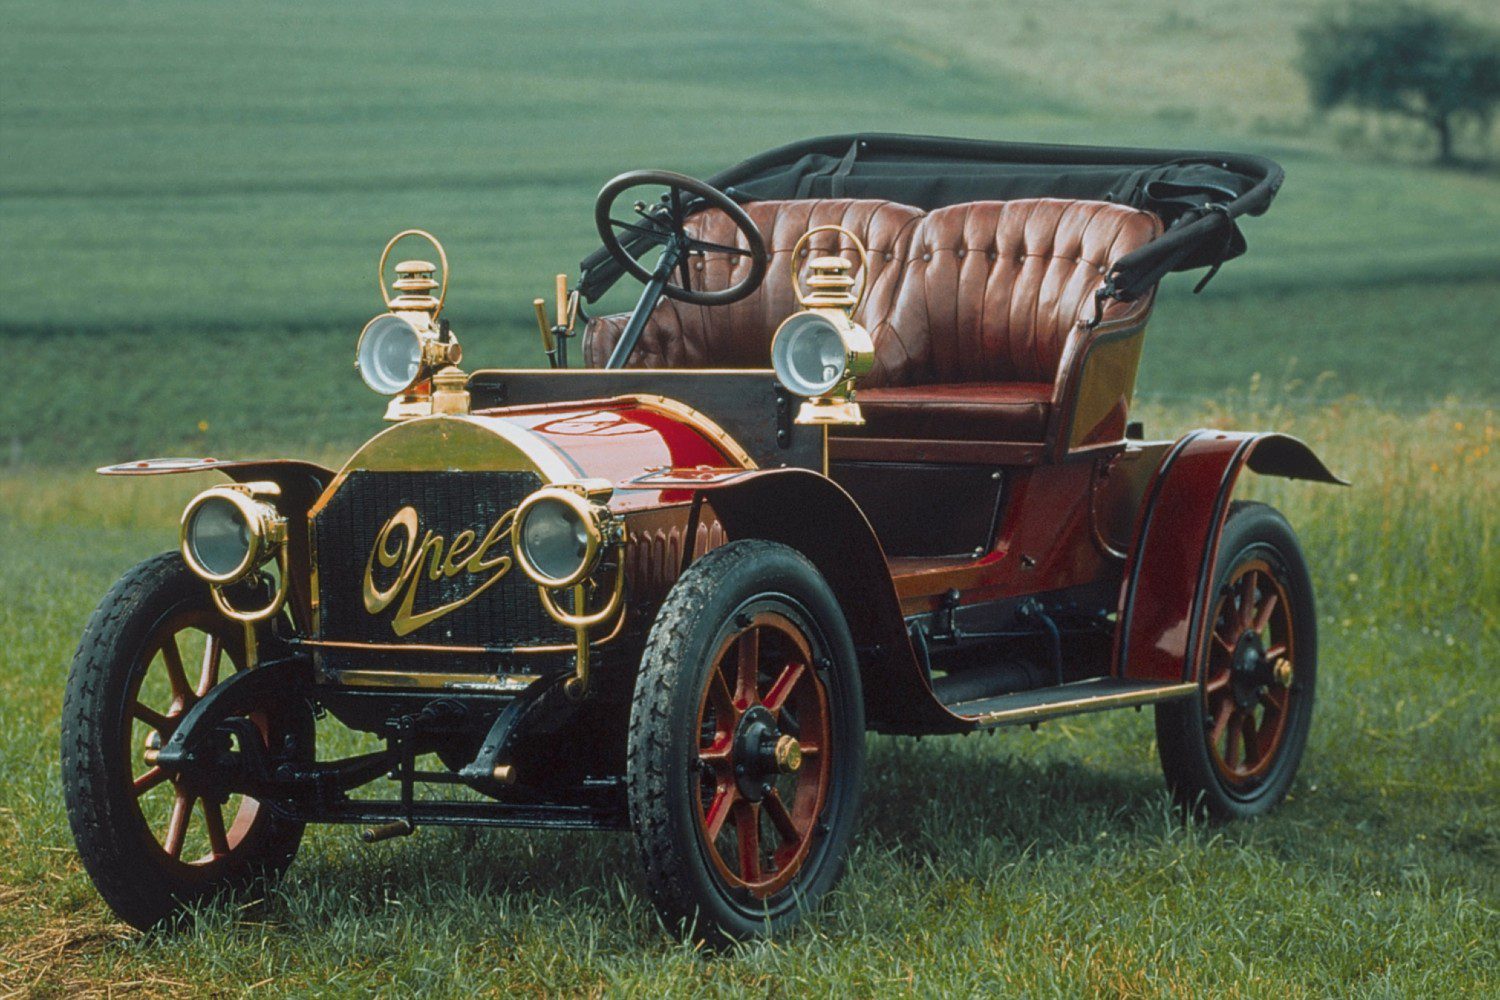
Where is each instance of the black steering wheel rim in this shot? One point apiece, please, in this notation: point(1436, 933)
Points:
point(665, 224)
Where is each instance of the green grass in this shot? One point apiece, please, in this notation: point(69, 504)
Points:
point(192, 198)
point(1036, 863)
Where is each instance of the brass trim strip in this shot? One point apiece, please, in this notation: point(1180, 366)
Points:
point(698, 421)
point(451, 682)
point(1119, 699)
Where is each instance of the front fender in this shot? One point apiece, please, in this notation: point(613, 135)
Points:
point(1164, 597)
point(301, 484)
point(815, 516)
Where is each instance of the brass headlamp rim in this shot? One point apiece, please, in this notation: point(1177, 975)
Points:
point(264, 524)
point(385, 256)
point(592, 515)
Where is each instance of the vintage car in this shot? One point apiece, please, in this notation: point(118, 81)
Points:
point(859, 459)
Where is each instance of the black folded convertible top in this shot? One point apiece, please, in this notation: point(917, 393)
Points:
point(1197, 194)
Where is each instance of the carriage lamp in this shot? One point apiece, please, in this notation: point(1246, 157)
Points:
point(399, 349)
point(228, 534)
point(820, 352)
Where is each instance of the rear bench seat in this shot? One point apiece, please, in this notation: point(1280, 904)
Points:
point(970, 307)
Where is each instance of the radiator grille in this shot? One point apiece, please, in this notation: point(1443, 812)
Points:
point(507, 613)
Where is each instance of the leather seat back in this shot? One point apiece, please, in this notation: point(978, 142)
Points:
point(679, 335)
point(992, 289)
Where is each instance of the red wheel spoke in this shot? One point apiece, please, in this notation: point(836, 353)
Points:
point(147, 781)
point(777, 695)
point(1221, 719)
point(210, 672)
point(1218, 681)
point(782, 820)
point(213, 819)
point(725, 798)
point(1276, 652)
point(809, 748)
point(747, 831)
point(177, 824)
point(175, 675)
point(1247, 600)
point(747, 685)
point(722, 701)
point(152, 718)
point(1266, 611)
point(717, 754)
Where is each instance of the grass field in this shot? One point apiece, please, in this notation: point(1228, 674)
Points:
point(192, 198)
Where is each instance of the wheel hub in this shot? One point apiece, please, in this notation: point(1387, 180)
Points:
point(760, 751)
point(1250, 669)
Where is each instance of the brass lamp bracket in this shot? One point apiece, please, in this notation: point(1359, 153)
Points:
point(414, 278)
point(829, 283)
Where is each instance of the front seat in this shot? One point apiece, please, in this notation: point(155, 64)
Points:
point(679, 335)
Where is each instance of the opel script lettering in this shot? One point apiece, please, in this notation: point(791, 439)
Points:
point(397, 545)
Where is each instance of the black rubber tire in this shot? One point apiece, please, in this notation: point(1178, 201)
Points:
point(661, 785)
point(137, 879)
point(1252, 531)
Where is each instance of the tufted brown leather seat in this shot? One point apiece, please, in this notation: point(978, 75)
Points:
point(679, 335)
point(971, 307)
point(971, 344)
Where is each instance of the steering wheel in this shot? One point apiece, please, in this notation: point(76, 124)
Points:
point(660, 224)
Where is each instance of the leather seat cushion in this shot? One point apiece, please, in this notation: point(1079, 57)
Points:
point(993, 289)
point(963, 411)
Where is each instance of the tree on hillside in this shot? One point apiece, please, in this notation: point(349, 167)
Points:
point(1397, 58)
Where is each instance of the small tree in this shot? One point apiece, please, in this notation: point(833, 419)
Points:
point(1401, 59)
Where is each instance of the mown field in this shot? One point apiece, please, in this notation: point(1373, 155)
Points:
point(192, 198)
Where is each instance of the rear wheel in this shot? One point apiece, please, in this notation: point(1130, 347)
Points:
point(152, 649)
point(1233, 751)
point(746, 744)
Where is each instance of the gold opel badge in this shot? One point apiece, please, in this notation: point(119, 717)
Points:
point(435, 558)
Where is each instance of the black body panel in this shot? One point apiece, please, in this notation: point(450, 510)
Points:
point(924, 509)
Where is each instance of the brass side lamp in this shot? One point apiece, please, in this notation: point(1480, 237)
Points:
point(820, 352)
point(400, 349)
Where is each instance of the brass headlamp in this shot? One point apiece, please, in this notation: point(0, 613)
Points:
point(400, 349)
point(228, 534)
point(820, 352)
point(559, 536)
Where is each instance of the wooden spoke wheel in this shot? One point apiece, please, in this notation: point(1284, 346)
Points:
point(151, 651)
point(1234, 751)
point(746, 744)
point(191, 829)
point(763, 731)
point(1251, 666)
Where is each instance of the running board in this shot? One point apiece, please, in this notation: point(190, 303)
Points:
point(1094, 695)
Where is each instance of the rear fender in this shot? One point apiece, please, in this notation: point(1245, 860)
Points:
point(1164, 599)
point(814, 515)
point(301, 484)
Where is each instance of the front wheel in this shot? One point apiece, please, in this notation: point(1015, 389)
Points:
point(153, 648)
point(1233, 751)
point(746, 744)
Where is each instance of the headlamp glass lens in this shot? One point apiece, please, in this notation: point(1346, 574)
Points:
point(390, 355)
point(809, 355)
point(219, 536)
point(555, 539)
